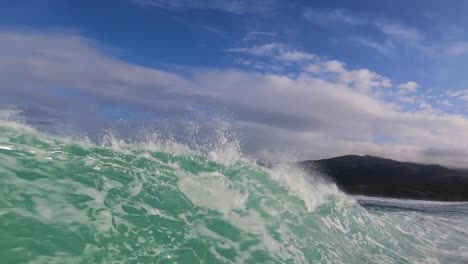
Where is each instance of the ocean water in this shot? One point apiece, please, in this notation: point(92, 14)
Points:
point(75, 201)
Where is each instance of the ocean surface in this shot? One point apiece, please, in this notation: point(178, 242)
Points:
point(64, 200)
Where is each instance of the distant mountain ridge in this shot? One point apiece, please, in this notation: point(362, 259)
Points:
point(375, 176)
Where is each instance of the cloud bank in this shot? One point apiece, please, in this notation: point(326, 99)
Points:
point(322, 109)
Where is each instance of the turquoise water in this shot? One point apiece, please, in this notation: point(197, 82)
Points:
point(69, 201)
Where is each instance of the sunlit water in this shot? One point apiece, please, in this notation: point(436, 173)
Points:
point(65, 201)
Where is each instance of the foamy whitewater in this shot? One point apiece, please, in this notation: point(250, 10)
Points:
point(68, 201)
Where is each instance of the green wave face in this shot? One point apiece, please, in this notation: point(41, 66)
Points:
point(63, 201)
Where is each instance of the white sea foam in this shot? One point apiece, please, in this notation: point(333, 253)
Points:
point(6, 147)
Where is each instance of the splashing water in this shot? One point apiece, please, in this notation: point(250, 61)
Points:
point(64, 201)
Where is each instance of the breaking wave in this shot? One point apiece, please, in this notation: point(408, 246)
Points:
point(71, 201)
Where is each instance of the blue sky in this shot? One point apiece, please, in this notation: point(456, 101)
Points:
point(316, 78)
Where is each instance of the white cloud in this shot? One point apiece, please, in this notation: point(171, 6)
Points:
point(327, 17)
point(325, 113)
point(330, 66)
point(276, 51)
point(313, 117)
point(408, 87)
point(313, 68)
point(254, 35)
point(395, 32)
point(459, 48)
point(425, 105)
point(399, 32)
point(461, 94)
point(364, 80)
point(334, 66)
point(386, 48)
point(407, 99)
point(295, 56)
point(65, 59)
point(230, 6)
point(259, 50)
point(445, 103)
